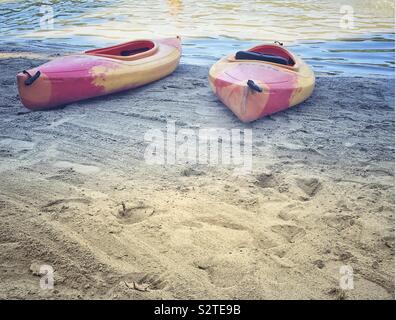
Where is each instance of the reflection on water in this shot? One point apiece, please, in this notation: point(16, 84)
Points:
point(175, 7)
point(212, 28)
point(284, 20)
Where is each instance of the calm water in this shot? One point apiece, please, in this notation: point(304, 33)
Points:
point(319, 31)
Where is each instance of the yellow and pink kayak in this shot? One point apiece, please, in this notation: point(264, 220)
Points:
point(261, 81)
point(98, 72)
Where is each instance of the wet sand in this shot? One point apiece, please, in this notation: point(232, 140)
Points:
point(77, 194)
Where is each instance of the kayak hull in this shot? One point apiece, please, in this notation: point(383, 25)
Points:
point(282, 86)
point(94, 73)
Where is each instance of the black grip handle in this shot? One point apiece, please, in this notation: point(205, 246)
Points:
point(254, 86)
point(31, 78)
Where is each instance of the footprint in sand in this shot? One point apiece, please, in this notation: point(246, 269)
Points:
point(225, 271)
point(133, 214)
point(9, 146)
point(263, 241)
point(80, 168)
point(291, 211)
point(279, 256)
point(145, 281)
point(188, 172)
point(266, 180)
point(309, 185)
point(341, 222)
point(289, 232)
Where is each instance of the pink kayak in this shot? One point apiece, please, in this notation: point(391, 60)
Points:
point(261, 81)
point(98, 72)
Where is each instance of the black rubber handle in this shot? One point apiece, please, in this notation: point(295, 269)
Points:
point(254, 86)
point(31, 78)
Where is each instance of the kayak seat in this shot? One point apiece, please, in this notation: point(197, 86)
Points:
point(250, 55)
point(127, 51)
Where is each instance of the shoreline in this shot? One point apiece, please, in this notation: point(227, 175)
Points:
point(202, 52)
point(77, 194)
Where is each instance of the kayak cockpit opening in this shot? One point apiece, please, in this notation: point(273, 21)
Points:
point(127, 51)
point(268, 53)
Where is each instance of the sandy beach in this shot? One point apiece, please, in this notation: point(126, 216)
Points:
point(77, 194)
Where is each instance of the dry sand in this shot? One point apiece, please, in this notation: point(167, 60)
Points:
point(76, 194)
